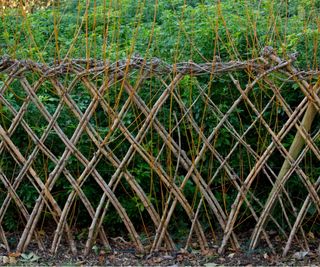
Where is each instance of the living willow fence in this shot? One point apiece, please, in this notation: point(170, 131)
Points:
point(222, 148)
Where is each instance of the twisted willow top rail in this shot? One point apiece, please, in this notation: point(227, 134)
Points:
point(155, 65)
point(95, 136)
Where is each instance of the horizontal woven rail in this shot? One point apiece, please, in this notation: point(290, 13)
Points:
point(155, 147)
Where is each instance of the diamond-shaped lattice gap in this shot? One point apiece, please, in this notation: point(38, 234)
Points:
point(42, 165)
point(22, 141)
point(61, 189)
point(106, 169)
point(81, 96)
point(14, 93)
point(12, 221)
point(54, 144)
point(284, 93)
point(255, 134)
point(48, 96)
point(267, 104)
point(73, 165)
point(92, 191)
point(101, 122)
point(149, 92)
point(97, 121)
point(118, 144)
point(144, 174)
point(10, 105)
point(114, 97)
point(311, 166)
point(27, 193)
point(86, 146)
point(286, 142)
point(133, 120)
point(8, 165)
point(6, 116)
point(35, 119)
point(309, 170)
point(67, 122)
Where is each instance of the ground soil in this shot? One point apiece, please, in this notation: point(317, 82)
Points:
point(123, 253)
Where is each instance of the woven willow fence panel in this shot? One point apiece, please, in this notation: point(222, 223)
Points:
point(139, 129)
